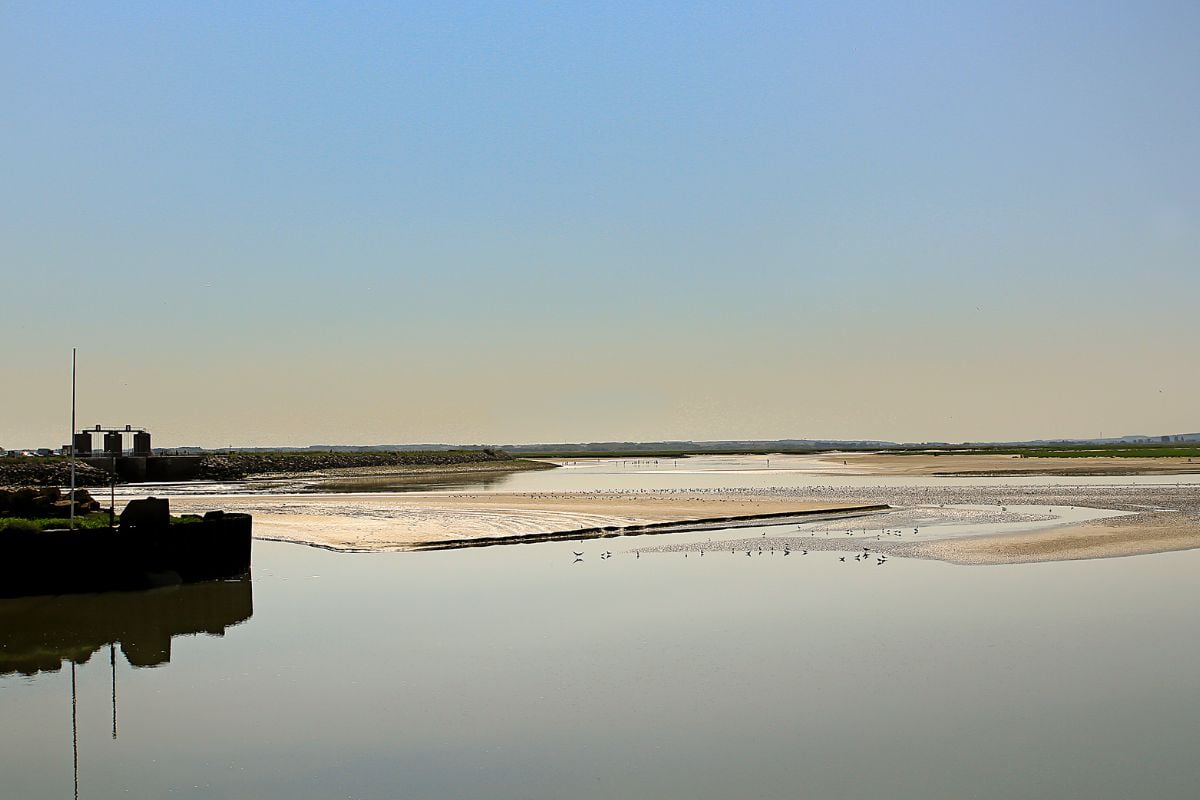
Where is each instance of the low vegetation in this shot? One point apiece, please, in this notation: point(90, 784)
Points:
point(242, 465)
point(1065, 451)
point(56, 471)
point(82, 521)
point(31, 509)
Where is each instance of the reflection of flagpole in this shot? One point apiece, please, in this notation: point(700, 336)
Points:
point(72, 441)
point(112, 659)
point(74, 734)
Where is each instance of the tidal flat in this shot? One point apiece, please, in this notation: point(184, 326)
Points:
point(1162, 512)
point(806, 659)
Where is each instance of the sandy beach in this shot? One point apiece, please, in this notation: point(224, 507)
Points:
point(410, 521)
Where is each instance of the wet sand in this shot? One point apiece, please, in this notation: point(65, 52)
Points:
point(409, 521)
point(405, 521)
point(1140, 534)
point(1015, 537)
point(955, 465)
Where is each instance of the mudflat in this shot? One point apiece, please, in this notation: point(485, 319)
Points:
point(1139, 534)
point(408, 521)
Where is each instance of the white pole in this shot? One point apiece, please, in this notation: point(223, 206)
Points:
point(72, 439)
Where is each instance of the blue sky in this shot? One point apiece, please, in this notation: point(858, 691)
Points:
point(551, 221)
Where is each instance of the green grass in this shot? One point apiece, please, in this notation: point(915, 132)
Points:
point(84, 521)
point(94, 521)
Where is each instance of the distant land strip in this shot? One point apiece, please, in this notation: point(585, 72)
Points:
point(56, 470)
point(233, 466)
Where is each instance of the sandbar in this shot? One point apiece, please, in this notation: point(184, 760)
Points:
point(407, 521)
point(1138, 534)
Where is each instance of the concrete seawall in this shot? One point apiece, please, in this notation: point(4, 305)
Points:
point(124, 558)
point(136, 469)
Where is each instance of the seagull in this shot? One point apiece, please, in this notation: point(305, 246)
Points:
point(843, 558)
point(577, 555)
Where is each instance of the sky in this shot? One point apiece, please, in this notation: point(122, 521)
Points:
point(364, 223)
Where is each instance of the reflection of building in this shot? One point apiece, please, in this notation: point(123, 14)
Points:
point(39, 634)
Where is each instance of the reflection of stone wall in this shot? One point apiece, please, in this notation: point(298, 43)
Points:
point(41, 633)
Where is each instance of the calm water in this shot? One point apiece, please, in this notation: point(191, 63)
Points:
point(515, 673)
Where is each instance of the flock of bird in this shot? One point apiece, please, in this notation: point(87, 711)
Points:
point(787, 549)
point(865, 556)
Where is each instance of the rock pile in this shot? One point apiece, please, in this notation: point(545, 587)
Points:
point(26, 471)
point(46, 501)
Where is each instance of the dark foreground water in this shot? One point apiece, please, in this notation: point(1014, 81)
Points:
point(515, 673)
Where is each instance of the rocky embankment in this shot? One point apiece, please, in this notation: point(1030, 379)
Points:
point(243, 465)
point(26, 471)
point(44, 501)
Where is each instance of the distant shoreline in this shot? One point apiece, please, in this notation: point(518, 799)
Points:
point(1003, 465)
point(1139, 534)
point(55, 471)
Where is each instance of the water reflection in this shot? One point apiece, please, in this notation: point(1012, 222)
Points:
point(40, 634)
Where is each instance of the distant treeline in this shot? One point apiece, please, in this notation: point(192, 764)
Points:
point(244, 464)
point(56, 470)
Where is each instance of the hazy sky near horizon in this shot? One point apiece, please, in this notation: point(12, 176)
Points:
point(518, 222)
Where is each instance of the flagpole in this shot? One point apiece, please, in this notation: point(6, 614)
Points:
point(72, 439)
